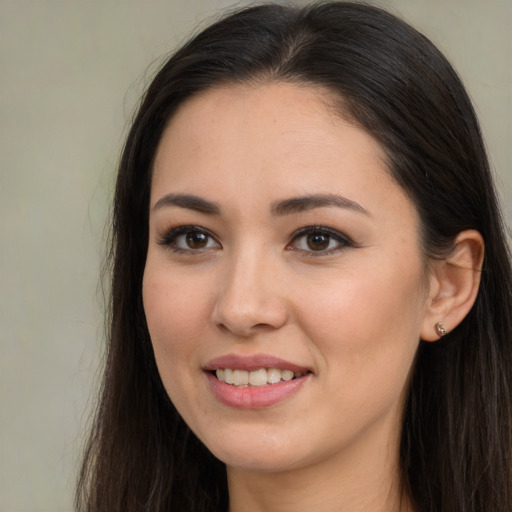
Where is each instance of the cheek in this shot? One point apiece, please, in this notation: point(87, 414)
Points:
point(175, 307)
point(367, 351)
point(177, 318)
point(366, 324)
point(378, 303)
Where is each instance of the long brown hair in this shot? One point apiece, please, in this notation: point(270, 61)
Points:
point(457, 432)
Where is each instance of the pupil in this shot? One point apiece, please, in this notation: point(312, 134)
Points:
point(318, 241)
point(196, 240)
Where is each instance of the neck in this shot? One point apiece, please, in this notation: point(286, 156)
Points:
point(362, 478)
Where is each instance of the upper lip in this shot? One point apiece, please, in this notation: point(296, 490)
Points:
point(253, 362)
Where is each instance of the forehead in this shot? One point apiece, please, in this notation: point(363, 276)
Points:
point(269, 141)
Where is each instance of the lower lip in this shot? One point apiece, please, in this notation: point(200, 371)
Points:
point(254, 397)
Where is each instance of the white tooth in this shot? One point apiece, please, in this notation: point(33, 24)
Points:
point(240, 377)
point(258, 377)
point(287, 375)
point(220, 374)
point(273, 375)
point(228, 376)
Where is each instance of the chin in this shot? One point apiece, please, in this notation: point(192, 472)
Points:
point(260, 451)
point(256, 461)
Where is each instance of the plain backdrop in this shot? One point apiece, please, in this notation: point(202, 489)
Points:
point(70, 75)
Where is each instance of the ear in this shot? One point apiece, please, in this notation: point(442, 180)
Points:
point(453, 284)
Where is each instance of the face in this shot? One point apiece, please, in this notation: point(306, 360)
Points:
point(285, 285)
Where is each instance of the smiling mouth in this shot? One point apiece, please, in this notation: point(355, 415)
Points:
point(255, 378)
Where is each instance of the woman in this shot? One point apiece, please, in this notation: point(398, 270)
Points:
point(311, 297)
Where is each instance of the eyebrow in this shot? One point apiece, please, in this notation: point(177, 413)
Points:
point(188, 201)
point(309, 202)
point(279, 208)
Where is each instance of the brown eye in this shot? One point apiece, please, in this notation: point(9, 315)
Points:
point(196, 240)
point(318, 241)
point(189, 239)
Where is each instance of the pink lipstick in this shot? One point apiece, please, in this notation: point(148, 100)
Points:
point(251, 382)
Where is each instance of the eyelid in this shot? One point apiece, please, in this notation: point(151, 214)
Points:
point(170, 236)
point(344, 242)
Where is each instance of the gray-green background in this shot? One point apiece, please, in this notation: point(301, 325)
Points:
point(70, 74)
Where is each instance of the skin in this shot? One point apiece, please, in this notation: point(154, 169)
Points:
point(352, 314)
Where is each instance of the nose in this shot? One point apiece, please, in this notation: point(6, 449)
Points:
point(251, 298)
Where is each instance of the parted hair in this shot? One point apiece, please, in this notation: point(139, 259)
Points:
point(455, 452)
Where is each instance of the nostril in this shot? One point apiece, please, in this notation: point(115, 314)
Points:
point(262, 326)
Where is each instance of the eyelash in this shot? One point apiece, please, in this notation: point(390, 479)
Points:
point(342, 241)
point(169, 240)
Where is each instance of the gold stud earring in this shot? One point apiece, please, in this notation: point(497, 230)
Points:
point(440, 329)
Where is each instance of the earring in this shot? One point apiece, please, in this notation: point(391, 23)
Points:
point(440, 329)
